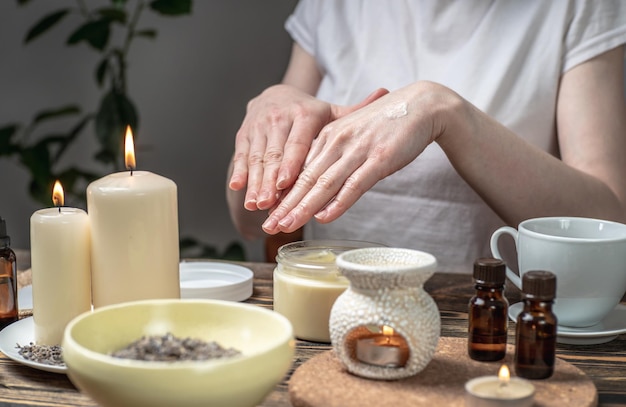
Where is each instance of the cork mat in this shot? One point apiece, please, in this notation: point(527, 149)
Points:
point(322, 381)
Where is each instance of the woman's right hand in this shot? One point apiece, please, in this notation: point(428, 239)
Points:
point(274, 139)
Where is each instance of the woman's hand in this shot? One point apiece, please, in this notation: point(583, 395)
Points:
point(274, 140)
point(354, 152)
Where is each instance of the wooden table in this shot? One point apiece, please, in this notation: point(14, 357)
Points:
point(605, 364)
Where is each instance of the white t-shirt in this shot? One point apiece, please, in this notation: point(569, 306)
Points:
point(505, 57)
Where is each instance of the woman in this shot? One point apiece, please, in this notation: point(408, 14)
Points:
point(479, 113)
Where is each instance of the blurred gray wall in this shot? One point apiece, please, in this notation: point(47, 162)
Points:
point(191, 86)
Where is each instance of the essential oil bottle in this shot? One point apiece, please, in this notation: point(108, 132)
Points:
point(8, 279)
point(488, 308)
point(535, 336)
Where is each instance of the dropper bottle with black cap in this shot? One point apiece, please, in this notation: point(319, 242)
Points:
point(8, 279)
point(487, 314)
point(535, 336)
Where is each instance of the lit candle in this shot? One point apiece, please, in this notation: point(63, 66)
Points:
point(60, 262)
point(134, 224)
point(385, 348)
point(501, 390)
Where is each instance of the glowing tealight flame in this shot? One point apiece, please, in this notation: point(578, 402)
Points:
point(503, 386)
point(129, 150)
point(387, 330)
point(58, 197)
point(504, 374)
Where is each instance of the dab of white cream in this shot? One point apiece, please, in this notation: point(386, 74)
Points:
point(397, 111)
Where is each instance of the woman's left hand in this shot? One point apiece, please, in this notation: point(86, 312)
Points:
point(353, 153)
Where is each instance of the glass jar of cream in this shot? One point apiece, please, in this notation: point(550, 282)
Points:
point(307, 282)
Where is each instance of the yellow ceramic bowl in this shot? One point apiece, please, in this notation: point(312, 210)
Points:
point(264, 337)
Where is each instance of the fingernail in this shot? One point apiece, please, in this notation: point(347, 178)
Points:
point(321, 214)
point(270, 224)
point(281, 183)
point(286, 222)
point(263, 197)
point(250, 204)
point(233, 183)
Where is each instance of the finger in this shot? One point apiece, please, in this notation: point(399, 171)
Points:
point(255, 168)
point(291, 196)
point(239, 175)
point(272, 160)
point(363, 179)
point(280, 195)
point(313, 201)
point(296, 149)
point(309, 178)
point(317, 145)
point(340, 111)
point(375, 95)
point(311, 193)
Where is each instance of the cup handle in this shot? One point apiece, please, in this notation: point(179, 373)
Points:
point(505, 230)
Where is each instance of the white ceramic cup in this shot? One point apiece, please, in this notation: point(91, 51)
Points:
point(588, 257)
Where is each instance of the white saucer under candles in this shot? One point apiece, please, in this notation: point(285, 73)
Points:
point(61, 267)
point(499, 391)
point(134, 223)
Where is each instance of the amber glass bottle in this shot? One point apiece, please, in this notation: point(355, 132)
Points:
point(488, 323)
point(535, 337)
point(8, 279)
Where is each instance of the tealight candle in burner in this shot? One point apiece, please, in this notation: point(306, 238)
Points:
point(386, 289)
point(501, 390)
point(386, 349)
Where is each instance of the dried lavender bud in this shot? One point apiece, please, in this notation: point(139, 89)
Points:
point(169, 348)
point(44, 354)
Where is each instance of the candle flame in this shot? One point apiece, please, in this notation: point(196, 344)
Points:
point(387, 330)
point(129, 150)
point(504, 374)
point(58, 197)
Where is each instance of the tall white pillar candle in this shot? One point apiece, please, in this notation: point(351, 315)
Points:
point(134, 231)
point(61, 274)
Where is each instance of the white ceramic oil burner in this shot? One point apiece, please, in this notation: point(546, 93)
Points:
point(385, 326)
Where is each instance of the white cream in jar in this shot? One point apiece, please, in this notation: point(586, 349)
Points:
point(307, 282)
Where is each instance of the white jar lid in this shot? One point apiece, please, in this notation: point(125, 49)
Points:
point(215, 280)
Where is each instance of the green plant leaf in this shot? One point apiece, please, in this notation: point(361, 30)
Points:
point(45, 24)
point(40, 191)
point(235, 252)
point(147, 33)
point(95, 33)
point(101, 71)
point(37, 160)
point(71, 136)
point(113, 14)
point(55, 113)
point(193, 248)
point(118, 3)
point(171, 7)
point(105, 157)
point(50, 140)
point(116, 111)
point(6, 134)
point(209, 252)
point(187, 243)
